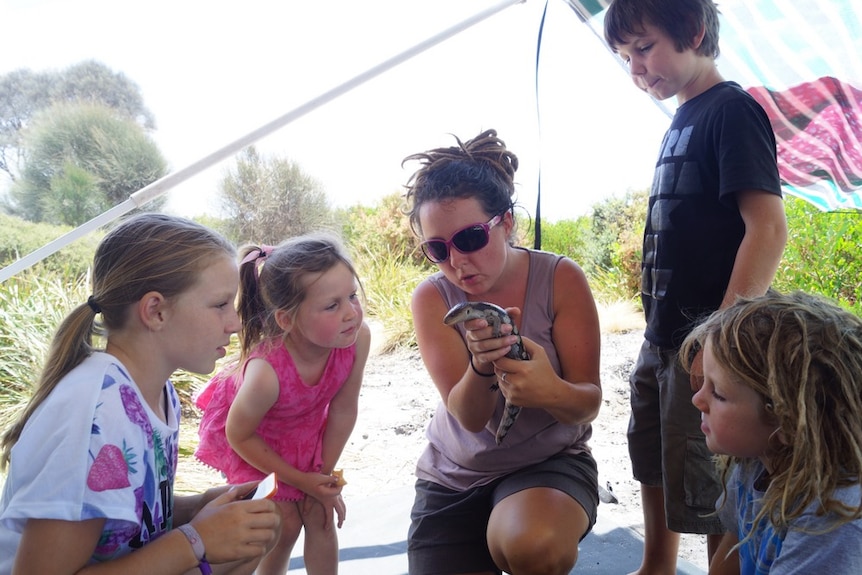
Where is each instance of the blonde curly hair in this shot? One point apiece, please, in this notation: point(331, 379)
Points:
point(803, 355)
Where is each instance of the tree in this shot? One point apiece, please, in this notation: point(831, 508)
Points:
point(617, 223)
point(82, 158)
point(74, 197)
point(23, 93)
point(267, 200)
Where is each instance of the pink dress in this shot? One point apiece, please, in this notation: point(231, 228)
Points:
point(293, 427)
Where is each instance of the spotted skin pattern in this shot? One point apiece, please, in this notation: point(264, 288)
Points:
point(496, 317)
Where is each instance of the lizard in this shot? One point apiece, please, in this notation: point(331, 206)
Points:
point(496, 317)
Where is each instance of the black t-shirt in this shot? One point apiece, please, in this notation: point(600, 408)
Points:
point(719, 143)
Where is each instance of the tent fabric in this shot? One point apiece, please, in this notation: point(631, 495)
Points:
point(802, 61)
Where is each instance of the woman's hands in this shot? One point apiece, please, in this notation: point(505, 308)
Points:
point(528, 383)
point(484, 346)
point(533, 382)
point(524, 379)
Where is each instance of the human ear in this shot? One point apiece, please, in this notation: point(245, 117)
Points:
point(284, 320)
point(508, 223)
point(698, 38)
point(152, 310)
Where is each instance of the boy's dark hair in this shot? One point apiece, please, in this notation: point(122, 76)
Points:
point(681, 20)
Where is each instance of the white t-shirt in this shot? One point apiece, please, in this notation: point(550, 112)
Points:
point(94, 449)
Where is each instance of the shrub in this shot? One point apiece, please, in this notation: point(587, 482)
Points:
point(389, 280)
point(822, 253)
point(606, 244)
point(389, 263)
point(383, 229)
point(19, 238)
point(821, 257)
point(570, 238)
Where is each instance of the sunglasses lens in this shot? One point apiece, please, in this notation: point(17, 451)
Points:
point(435, 250)
point(471, 239)
point(468, 240)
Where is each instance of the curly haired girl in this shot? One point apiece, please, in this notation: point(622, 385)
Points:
point(782, 406)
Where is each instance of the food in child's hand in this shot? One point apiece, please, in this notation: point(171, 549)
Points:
point(339, 476)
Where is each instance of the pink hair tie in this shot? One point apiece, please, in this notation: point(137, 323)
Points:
point(262, 253)
point(257, 255)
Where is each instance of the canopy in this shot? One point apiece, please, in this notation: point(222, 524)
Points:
point(802, 60)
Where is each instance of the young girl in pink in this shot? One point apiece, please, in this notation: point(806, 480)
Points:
point(290, 402)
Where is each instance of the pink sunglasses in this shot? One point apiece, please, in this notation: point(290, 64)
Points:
point(470, 239)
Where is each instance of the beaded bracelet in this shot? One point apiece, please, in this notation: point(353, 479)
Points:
point(197, 546)
point(492, 374)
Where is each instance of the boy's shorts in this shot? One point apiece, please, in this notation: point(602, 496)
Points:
point(448, 528)
point(666, 445)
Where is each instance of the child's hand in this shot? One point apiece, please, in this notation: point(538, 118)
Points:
point(326, 490)
point(232, 529)
point(331, 504)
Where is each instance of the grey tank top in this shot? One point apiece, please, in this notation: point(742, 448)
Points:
point(459, 459)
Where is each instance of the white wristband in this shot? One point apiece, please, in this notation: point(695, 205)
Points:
point(197, 546)
point(194, 539)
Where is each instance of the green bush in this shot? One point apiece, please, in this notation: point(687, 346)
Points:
point(383, 229)
point(822, 254)
point(389, 280)
point(606, 244)
point(390, 265)
point(19, 238)
point(570, 238)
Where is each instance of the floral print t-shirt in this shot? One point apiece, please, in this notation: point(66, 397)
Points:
point(94, 449)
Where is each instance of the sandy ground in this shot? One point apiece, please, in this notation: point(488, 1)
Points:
point(398, 399)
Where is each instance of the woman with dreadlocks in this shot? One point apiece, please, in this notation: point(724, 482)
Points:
point(522, 505)
point(781, 404)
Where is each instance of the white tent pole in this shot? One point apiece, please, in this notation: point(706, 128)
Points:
point(164, 184)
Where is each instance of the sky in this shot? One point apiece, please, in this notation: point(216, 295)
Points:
point(213, 72)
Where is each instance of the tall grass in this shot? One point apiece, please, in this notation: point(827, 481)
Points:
point(388, 261)
point(388, 281)
point(31, 308)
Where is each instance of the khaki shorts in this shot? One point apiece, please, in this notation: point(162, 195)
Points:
point(667, 447)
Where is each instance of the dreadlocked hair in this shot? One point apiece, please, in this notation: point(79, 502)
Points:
point(482, 168)
point(803, 355)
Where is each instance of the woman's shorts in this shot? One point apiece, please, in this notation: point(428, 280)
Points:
point(448, 528)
